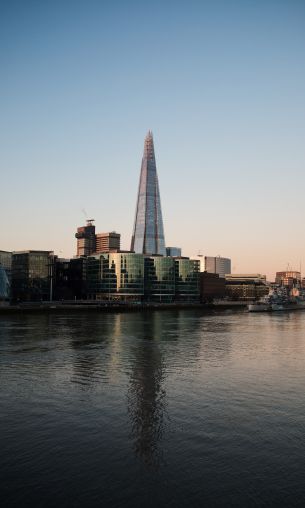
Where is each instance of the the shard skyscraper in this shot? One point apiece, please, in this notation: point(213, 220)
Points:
point(148, 234)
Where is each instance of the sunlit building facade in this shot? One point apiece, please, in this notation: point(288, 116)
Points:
point(86, 241)
point(116, 276)
point(132, 277)
point(187, 283)
point(148, 234)
point(160, 279)
point(288, 279)
point(104, 242)
point(217, 264)
point(246, 287)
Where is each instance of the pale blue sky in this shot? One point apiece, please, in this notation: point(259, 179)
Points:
point(220, 83)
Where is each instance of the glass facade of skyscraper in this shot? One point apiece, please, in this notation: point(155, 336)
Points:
point(148, 234)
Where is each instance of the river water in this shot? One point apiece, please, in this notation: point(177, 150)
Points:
point(165, 408)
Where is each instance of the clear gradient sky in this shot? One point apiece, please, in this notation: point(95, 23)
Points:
point(220, 83)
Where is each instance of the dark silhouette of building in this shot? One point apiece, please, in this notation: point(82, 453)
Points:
point(69, 279)
point(31, 275)
point(211, 286)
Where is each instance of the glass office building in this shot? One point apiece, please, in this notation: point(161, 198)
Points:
point(217, 264)
point(187, 272)
point(148, 234)
point(131, 277)
point(160, 279)
point(6, 262)
point(116, 276)
point(173, 251)
point(31, 275)
point(4, 285)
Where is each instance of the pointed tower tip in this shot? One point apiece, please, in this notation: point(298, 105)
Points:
point(149, 134)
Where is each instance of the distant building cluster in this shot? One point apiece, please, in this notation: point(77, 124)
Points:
point(149, 271)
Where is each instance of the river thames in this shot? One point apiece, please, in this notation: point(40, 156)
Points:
point(173, 408)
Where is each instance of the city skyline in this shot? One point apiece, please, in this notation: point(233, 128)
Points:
point(223, 92)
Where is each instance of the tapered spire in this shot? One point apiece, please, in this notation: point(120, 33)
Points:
point(148, 234)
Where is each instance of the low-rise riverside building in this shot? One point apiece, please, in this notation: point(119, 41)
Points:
point(4, 285)
point(246, 287)
point(135, 277)
point(187, 279)
point(211, 287)
point(159, 279)
point(6, 262)
point(115, 276)
point(69, 279)
point(32, 275)
point(288, 279)
point(5, 274)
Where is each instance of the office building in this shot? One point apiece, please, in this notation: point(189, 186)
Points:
point(6, 262)
point(173, 252)
point(115, 276)
point(187, 279)
point(211, 287)
point(288, 279)
point(104, 242)
point(217, 264)
point(246, 287)
point(86, 239)
point(132, 277)
point(148, 234)
point(160, 279)
point(4, 285)
point(69, 277)
point(31, 275)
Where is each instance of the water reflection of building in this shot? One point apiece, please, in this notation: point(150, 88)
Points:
point(146, 394)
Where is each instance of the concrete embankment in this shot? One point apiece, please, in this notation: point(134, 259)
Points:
point(53, 307)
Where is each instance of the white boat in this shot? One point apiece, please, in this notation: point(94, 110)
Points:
point(258, 307)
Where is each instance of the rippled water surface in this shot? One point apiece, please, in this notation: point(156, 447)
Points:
point(169, 409)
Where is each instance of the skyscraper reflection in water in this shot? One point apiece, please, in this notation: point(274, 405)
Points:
point(146, 394)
